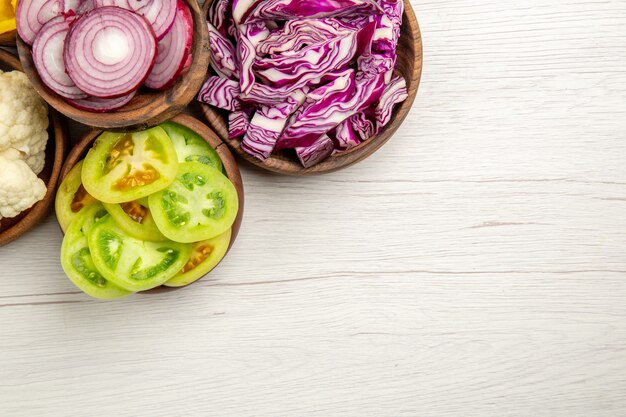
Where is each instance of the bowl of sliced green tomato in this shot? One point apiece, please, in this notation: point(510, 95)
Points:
point(147, 210)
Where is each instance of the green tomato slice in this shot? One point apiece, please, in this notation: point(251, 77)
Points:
point(204, 258)
point(199, 205)
point(190, 147)
point(71, 197)
point(123, 167)
point(131, 263)
point(136, 219)
point(76, 257)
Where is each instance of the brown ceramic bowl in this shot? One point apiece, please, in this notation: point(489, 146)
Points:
point(230, 166)
point(148, 108)
point(11, 229)
point(285, 162)
point(8, 39)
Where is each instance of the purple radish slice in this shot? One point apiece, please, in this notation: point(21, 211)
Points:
point(173, 51)
point(109, 52)
point(160, 14)
point(102, 105)
point(48, 58)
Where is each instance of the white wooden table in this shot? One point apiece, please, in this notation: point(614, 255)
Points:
point(475, 266)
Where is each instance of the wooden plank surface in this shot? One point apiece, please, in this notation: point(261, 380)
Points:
point(475, 266)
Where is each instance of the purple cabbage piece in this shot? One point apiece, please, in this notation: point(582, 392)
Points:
point(221, 93)
point(315, 153)
point(297, 33)
point(395, 92)
point(308, 9)
point(250, 36)
point(388, 26)
point(238, 123)
point(345, 136)
point(348, 96)
point(267, 125)
point(241, 9)
point(223, 55)
point(302, 67)
point(219, 15)
point(362, 126)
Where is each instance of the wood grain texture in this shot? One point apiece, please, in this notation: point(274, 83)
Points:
point(474, 266)
point(409, 65)
point(8, 38)
point(148, 108)
point(13, 228)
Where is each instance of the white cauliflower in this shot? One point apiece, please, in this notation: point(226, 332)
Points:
point(20, 188)
point(23, 139)
point(23, 119)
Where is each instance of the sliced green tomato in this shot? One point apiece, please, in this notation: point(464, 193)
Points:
point(123, 167)
point(199, 205)
point(136, 219)
point(77, 261)
point(190, 147)
point(134, 264)
point(71, 197)
point(205, 256)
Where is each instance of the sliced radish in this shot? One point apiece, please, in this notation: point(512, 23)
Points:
point(159, 13)
point(109, 52)
point(174, 51)
point(48, 58)
point(102, 105)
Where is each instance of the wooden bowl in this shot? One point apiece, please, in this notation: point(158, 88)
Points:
point(12, 228)
point(8, 39)
point(285, 162)
point(230, 166)
point(148, 108)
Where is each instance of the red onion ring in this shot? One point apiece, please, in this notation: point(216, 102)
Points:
point(109, 52)
point(174, 50)
point(102, 105)
point(87, 5)
point(48, 58)
point(32, 15)
point(160, 14)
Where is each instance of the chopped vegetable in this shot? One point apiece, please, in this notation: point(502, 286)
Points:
point(97, 53)
point(340, 54)
point(23, 138)
point(174, 236)
point(123, 167)
point(173, 51)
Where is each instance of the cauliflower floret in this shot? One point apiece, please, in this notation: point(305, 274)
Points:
point(23, 116)
point(36, 162)
point(19, 186)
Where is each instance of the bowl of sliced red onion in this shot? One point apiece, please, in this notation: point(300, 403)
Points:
point(305, 88)
point(114, 64)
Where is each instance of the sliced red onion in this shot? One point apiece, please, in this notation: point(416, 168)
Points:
point(102, 105)
point(109, 52)
point(32, 15)
point(159, 13)
point(48, 58)
point(174, 50)
point(87, 5)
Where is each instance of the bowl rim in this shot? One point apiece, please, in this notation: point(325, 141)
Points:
point(231, 167)
point(164, 104)
point(291, 166)
point(40, 210)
